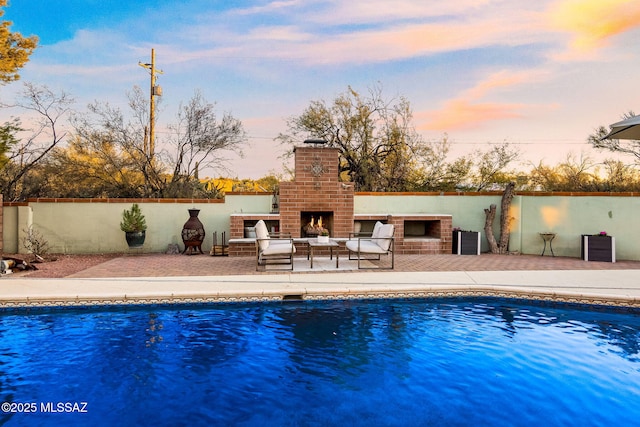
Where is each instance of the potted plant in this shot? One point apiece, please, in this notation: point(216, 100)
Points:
point(323, 237)
point(134, 226)
point(598, 247)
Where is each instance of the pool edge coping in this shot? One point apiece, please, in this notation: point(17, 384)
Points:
point(425, 292)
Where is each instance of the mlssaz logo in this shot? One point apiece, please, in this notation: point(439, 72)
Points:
point(67, 407)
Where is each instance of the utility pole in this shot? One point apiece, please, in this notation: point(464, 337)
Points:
point(154, 91)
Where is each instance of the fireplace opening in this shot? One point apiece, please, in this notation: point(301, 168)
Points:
point(422, 229)
point(314, 223)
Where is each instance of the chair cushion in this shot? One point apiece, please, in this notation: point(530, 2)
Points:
point(366, 247)
point(376, 229)
point(279, 248)
point(384, 236)
point(262, 233)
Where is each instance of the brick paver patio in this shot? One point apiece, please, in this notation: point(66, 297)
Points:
point(162, 265)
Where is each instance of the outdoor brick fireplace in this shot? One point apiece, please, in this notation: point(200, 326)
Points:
point(316, 200)
point(316, 192)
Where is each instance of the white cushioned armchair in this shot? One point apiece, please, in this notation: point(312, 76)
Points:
point(380, 243)
point(273, 248)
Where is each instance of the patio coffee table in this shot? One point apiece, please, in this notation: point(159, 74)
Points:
point(313, 244)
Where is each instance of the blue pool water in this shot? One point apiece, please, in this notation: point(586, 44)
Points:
point(361, 363)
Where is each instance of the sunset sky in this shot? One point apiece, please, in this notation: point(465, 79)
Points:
point(540, 75)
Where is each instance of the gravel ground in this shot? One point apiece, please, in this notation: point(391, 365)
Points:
point(60, 265)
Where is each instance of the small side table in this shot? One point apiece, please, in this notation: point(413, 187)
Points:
point(331, 244)
point(547, 237)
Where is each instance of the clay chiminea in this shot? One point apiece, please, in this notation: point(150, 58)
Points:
point(193, 233)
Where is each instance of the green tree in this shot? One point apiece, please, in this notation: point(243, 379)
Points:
point(546, 178)
point(8, 139)
point(436, 173)
point(491, 165)
point(377, 141)
point(482, 170)
point(91, 168)
point(14, 49)
point(14, 54)
point(583, 174)
point(619, 177)
point(269, 183)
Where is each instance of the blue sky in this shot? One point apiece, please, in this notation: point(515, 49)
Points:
point(540, 75)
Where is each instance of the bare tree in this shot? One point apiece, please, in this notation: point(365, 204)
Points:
point(196, 142)
point(45, 111)
point(199, 140)
point(119, 143)
point(576, 173)
point(492, 164)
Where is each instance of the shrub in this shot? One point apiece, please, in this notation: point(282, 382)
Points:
point(133, 220)
point(35, 243)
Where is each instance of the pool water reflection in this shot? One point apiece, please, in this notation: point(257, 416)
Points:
point(383, 362)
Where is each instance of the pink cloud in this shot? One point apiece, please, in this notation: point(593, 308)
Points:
point(461, 114)
point(382, 44)
point(468, 111)
point(405, 41)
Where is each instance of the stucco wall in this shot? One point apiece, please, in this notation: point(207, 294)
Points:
point(467, 211)
point(93, 226)
point(568, 216)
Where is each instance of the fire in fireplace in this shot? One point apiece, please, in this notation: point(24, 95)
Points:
point(315, 223)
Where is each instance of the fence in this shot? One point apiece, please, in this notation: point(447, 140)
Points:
point(76, 226)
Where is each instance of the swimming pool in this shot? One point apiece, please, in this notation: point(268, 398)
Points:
point(372, 362)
